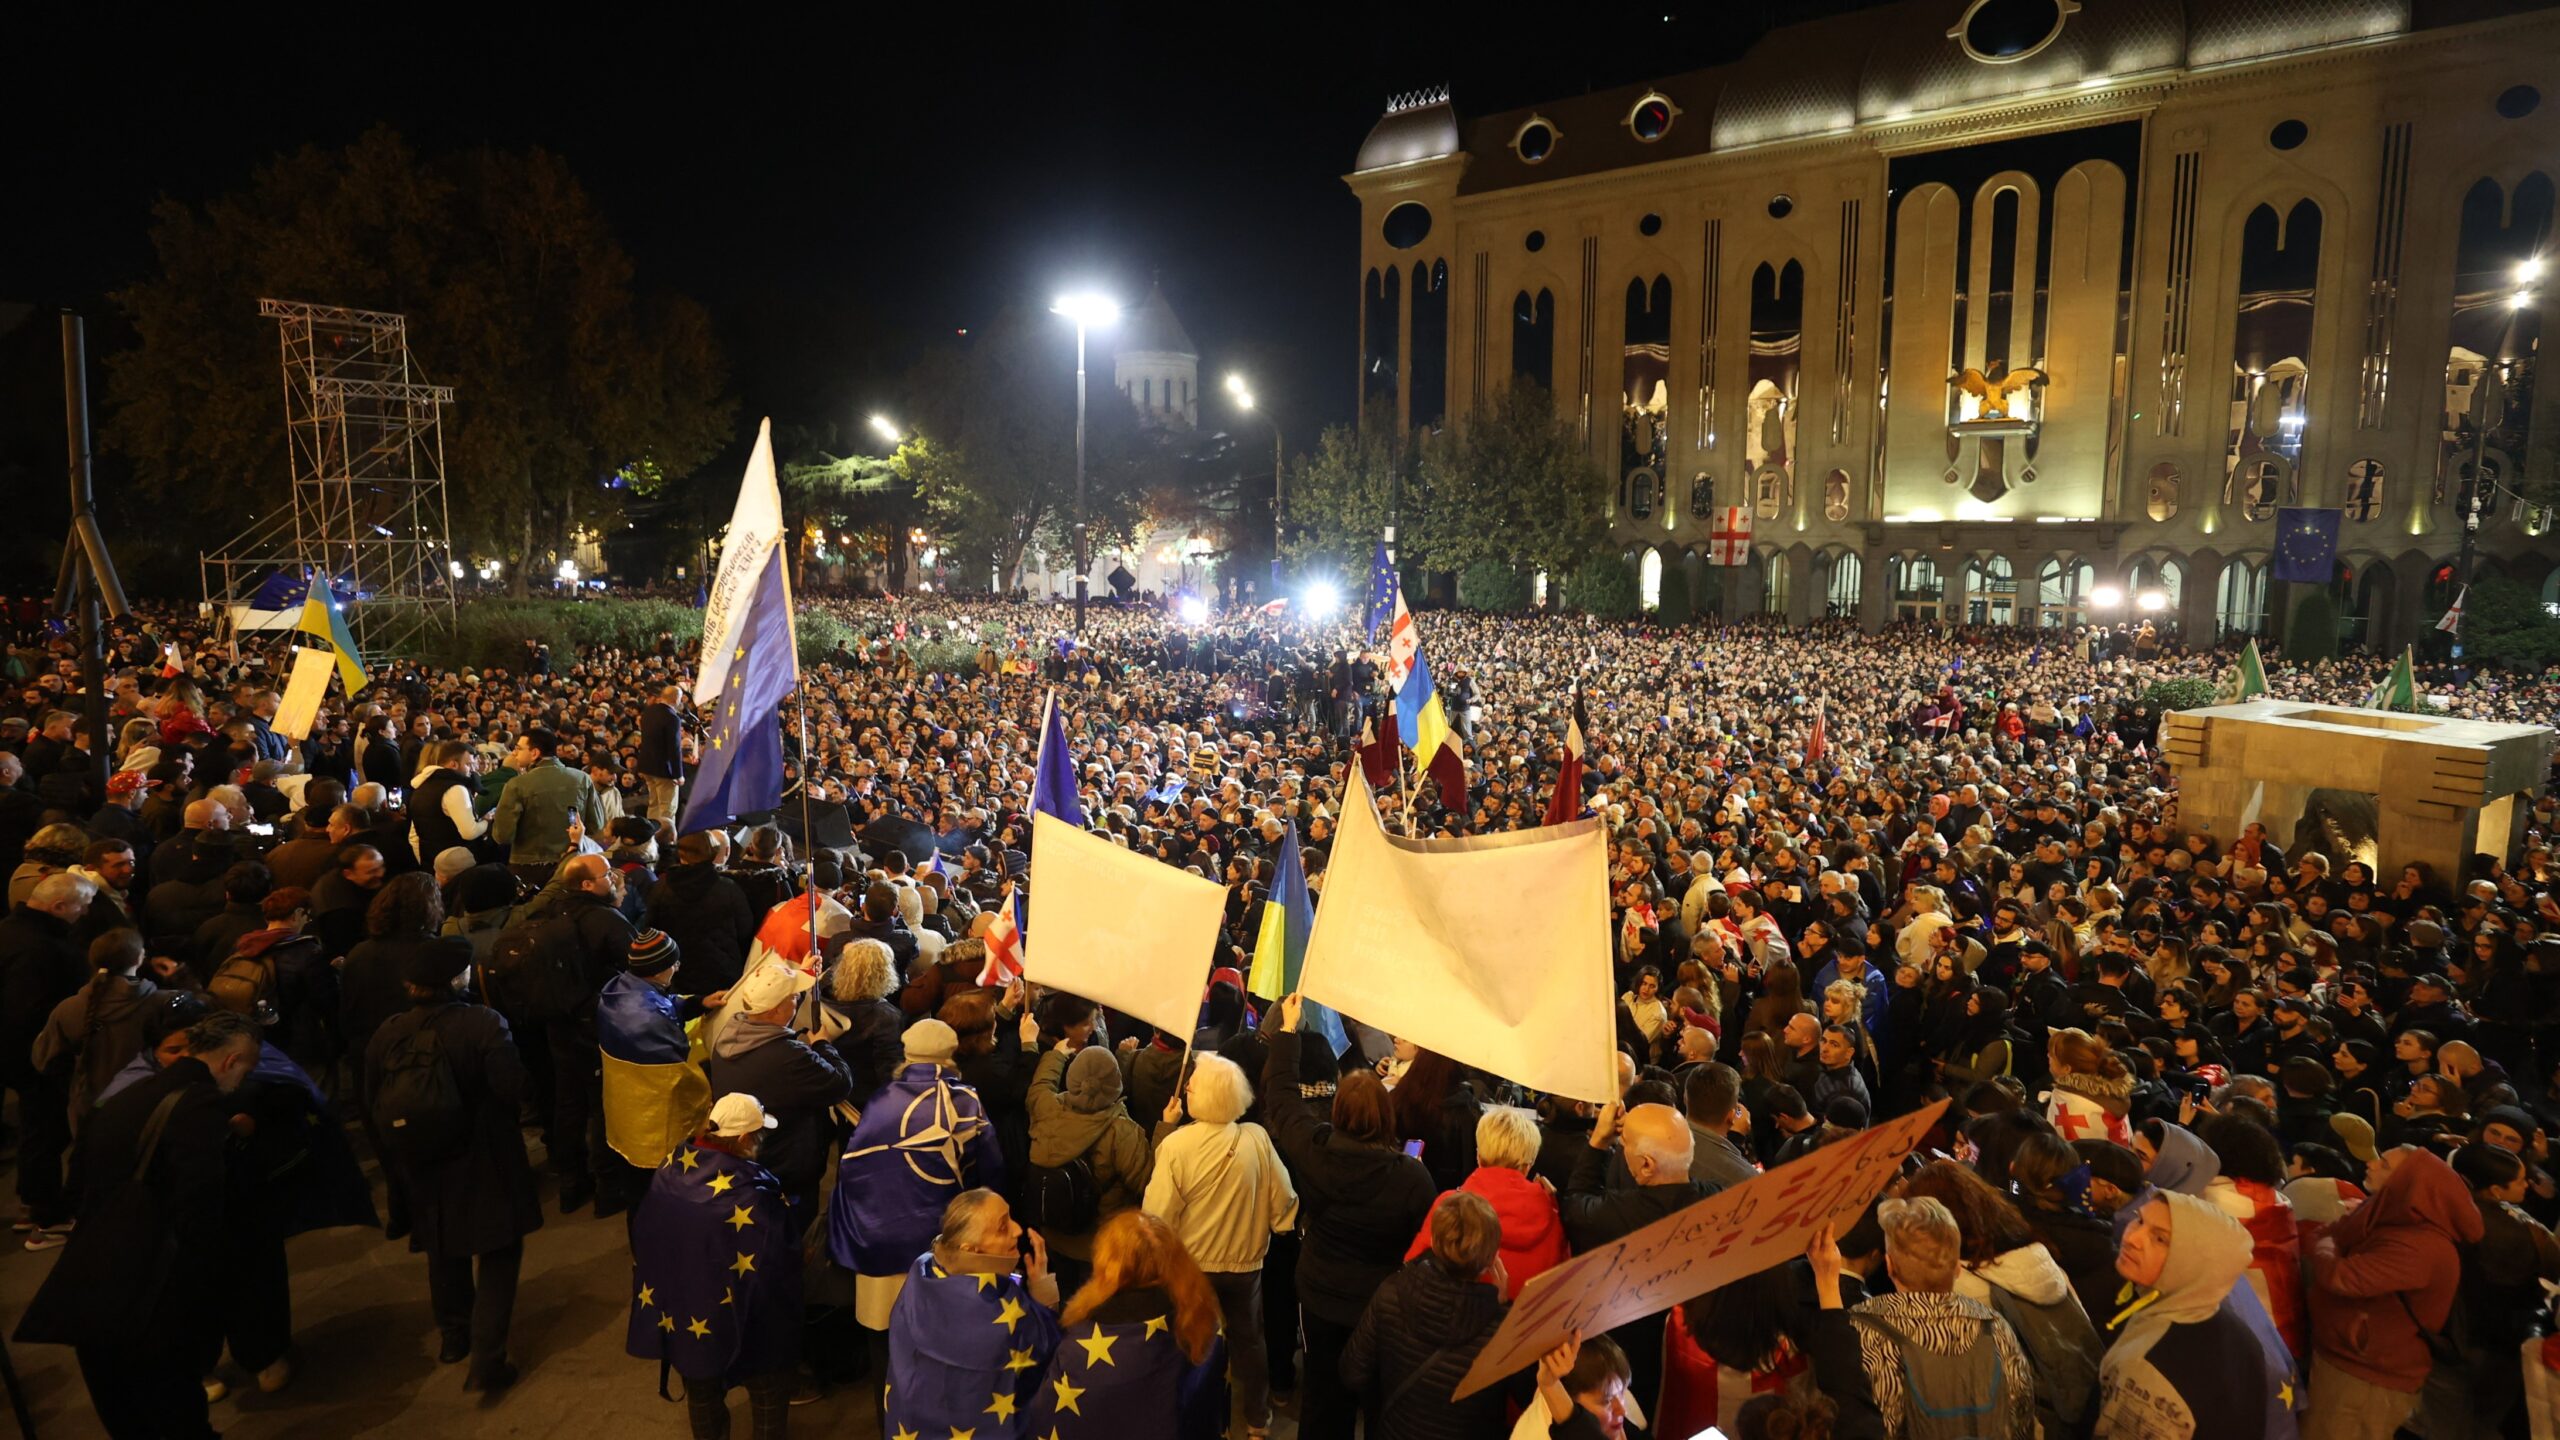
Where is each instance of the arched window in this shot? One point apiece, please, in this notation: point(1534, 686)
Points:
point(1990, 591)
point(1918, 589)
point(2062, 593)
point(1533, 338)
point(1649, 579)
point(2240, 607)
point(1848, 577)
point(1773, 582)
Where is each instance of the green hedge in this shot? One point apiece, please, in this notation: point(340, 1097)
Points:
point(1675, 607)
point(1490, 585)
point(2190, 694)
point(1605, 586)
point(494, 632)
point(2313, 635)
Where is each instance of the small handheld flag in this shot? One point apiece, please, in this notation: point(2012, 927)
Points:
point(2399, 689)
point(322, 619)
point(2451, 624)
point(1004, 941)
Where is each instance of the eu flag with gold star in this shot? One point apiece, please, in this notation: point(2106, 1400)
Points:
point(1121, 1374)
point(965, 1352)
point(2307, 544)
point(750, 659)
point(715, 1270)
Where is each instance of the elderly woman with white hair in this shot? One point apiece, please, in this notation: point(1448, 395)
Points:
point(1533, 1242)
point(861, 1018)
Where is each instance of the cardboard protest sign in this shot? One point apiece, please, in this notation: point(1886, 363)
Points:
point(302, 692)
point(1722, 1238)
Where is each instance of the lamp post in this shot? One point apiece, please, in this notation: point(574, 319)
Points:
point(1243, 394)
point(1087, 310)
point(2490, 399)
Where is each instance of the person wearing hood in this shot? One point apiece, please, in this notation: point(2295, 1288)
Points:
point(2383, 1280)
point(2180, 1351)
point(2092, 1089)
point(798, 1083)
point(1532, 1226)
point(1077, 1119)
point(2176, 1160)
point(1421, 1332)
point(1864, 1356)
point(1217, 1181)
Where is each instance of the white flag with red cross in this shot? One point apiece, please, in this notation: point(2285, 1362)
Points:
point(1729, 543)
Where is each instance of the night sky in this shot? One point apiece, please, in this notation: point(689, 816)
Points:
point(837, 193)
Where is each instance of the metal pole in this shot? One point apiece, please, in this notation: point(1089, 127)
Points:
point(1082, 562)
point(93, 642)
point(1275, 509)
point(2492, 403)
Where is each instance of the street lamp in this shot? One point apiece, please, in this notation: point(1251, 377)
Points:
point(1243, 394)
point(1086, 310)
point(2489, 397)
point(881, 427)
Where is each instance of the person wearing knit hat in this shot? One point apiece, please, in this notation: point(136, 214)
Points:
point(654, 1094)
point(1077, 1119)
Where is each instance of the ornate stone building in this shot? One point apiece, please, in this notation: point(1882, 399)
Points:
point(1156, 365)
point(2255, 253)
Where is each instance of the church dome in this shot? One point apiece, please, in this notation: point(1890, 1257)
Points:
point(1420, 126)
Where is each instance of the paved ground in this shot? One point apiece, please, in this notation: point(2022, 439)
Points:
point(366, 1352)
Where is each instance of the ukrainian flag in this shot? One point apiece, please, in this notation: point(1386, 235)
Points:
point(322, 620)
point(655, 1094)
point(1422, 724)
point(1280, 949)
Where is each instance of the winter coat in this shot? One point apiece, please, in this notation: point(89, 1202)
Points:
point(1859, 1361)
point(1532, 1225)
point(482, 1198)
point(1412, 1346)
point(532, 817)
point(868, 1040)
point(2400, 1246)
point(41, 965)
point(1362, 1201)
point(215, 937)
point(2085, 1247)
point(372, 986)
point(707, 915)
point(2501, 1277)
point(1223, 1189)
point(1108, 1141)
point(2181, 1352)
point(1002, 1078)
point(92, 1035)
point(798, 1083)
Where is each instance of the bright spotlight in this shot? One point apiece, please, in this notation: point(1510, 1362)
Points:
point(1244, 399)
point(569, 571)
point(1090, 309)
point(1235, 384)
point(880, 426)
point(2106, 597)
point(1193, 610)
point(2529, 270)
point(2151, 600)
point(1323, 601)
point(2522, 300)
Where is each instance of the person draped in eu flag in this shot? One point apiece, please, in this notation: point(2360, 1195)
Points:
point(715, 1275)
point(922, 1140)
point(1139, 1356)
point(971, 1333)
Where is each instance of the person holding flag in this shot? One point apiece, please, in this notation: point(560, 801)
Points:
point(655, 1094)
point(1422, 724)
point(715, 1275)
point(750, 657)
point(1564, 803)
point(2399, 689)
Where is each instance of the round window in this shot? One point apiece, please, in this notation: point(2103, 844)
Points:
point(1649, 225)
point(1781, 207)
point(1997, 32)
point(1535, 141)
point(2517, 101)
point(1406, 225)
point(1651, 119)
point(2288, 134)
point(1534, 241)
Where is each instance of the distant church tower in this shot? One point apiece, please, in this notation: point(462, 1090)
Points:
point(1157, 366)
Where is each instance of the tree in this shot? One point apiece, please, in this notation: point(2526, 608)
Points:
point(573, 389)
point(877, 499)
point(2503, 622)
point(2313, 633)
point(1674, 608)
point(1491, 585)
point(1512, 484)
point(1605, 586)
point(1339, 501)
point(1002, 416)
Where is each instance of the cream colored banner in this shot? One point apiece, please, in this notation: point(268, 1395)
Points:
point(303, 690)
point(1120, 928)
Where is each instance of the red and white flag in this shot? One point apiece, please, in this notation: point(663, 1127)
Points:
point(1729, 542)
point(1817, 744)
point(1004, 944)
point(1277, 607)
point(2451, 624)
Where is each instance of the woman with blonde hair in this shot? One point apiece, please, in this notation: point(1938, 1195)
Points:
point(1139, 1351)
point(859, 1015)
point(1533, 1240)
point(2092, 1088)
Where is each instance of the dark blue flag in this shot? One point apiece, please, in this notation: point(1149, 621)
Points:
point(1053, 782)
point(1127, 1379)
point(742, 755)
point(966, 1355)
point(715, 1269)
point(922, 1140)
point(2307, 544)
point(1382, 592)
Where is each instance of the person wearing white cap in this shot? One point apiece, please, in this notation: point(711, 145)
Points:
point(760, 1053)
point(921, 1141)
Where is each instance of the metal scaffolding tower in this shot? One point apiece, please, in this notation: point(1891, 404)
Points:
point(366, 440)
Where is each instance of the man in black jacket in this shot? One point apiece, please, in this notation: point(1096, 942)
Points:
point(799, 1084)
point(706, 914)
point(661, 758)
point(582, 911)
point(42, 963)
point(1656, 1143)
point(144, 1360)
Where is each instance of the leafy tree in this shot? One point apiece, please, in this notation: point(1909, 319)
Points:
point(875, 498)
point(2503, 622)
point(1604, 586)
point(1002, 475)
point(1512, 484)
point(1492, 585)
point(2312, 634)
point(574, 389)
point(1339, 501)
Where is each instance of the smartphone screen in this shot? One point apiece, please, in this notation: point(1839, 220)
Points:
point(1413, 1148)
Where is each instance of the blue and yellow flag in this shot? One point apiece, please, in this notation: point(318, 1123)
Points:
point(322, 620)
point(1280, 949)
point(655, 1093)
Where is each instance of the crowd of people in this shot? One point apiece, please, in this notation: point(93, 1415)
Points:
point(2244, 1138)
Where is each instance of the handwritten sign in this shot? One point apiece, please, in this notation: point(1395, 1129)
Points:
point(1722, 1238)
point(303, 690)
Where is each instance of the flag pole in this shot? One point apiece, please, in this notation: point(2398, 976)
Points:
point(807, 832)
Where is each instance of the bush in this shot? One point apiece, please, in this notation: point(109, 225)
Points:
point(2503, 622)
point(2167, 695)
point(494, 632)
point(2313, 633)
point(1675, 608)
point(1491, 585)
point(1605, 586)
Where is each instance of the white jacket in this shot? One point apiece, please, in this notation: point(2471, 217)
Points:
point(1224, 1191)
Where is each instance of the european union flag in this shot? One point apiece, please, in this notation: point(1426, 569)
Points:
point(1053, 783)
point(1382, 592)
point(715, 1269)
point(1128, 1379)
point(750, 657)
point(966, 1355)
point(2307, 544)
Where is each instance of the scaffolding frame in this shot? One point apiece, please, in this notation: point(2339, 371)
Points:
point(365, 443)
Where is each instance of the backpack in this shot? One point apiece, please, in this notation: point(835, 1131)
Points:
point(1948, 1397)
point(2063, 1347)
point(418, 1107)
point(532, 971)
point(243, 983)
point(1062, 1199)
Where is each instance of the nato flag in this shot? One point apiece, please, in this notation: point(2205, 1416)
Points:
point(2307, 544)
point(715, 1270)
point(742, 755)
